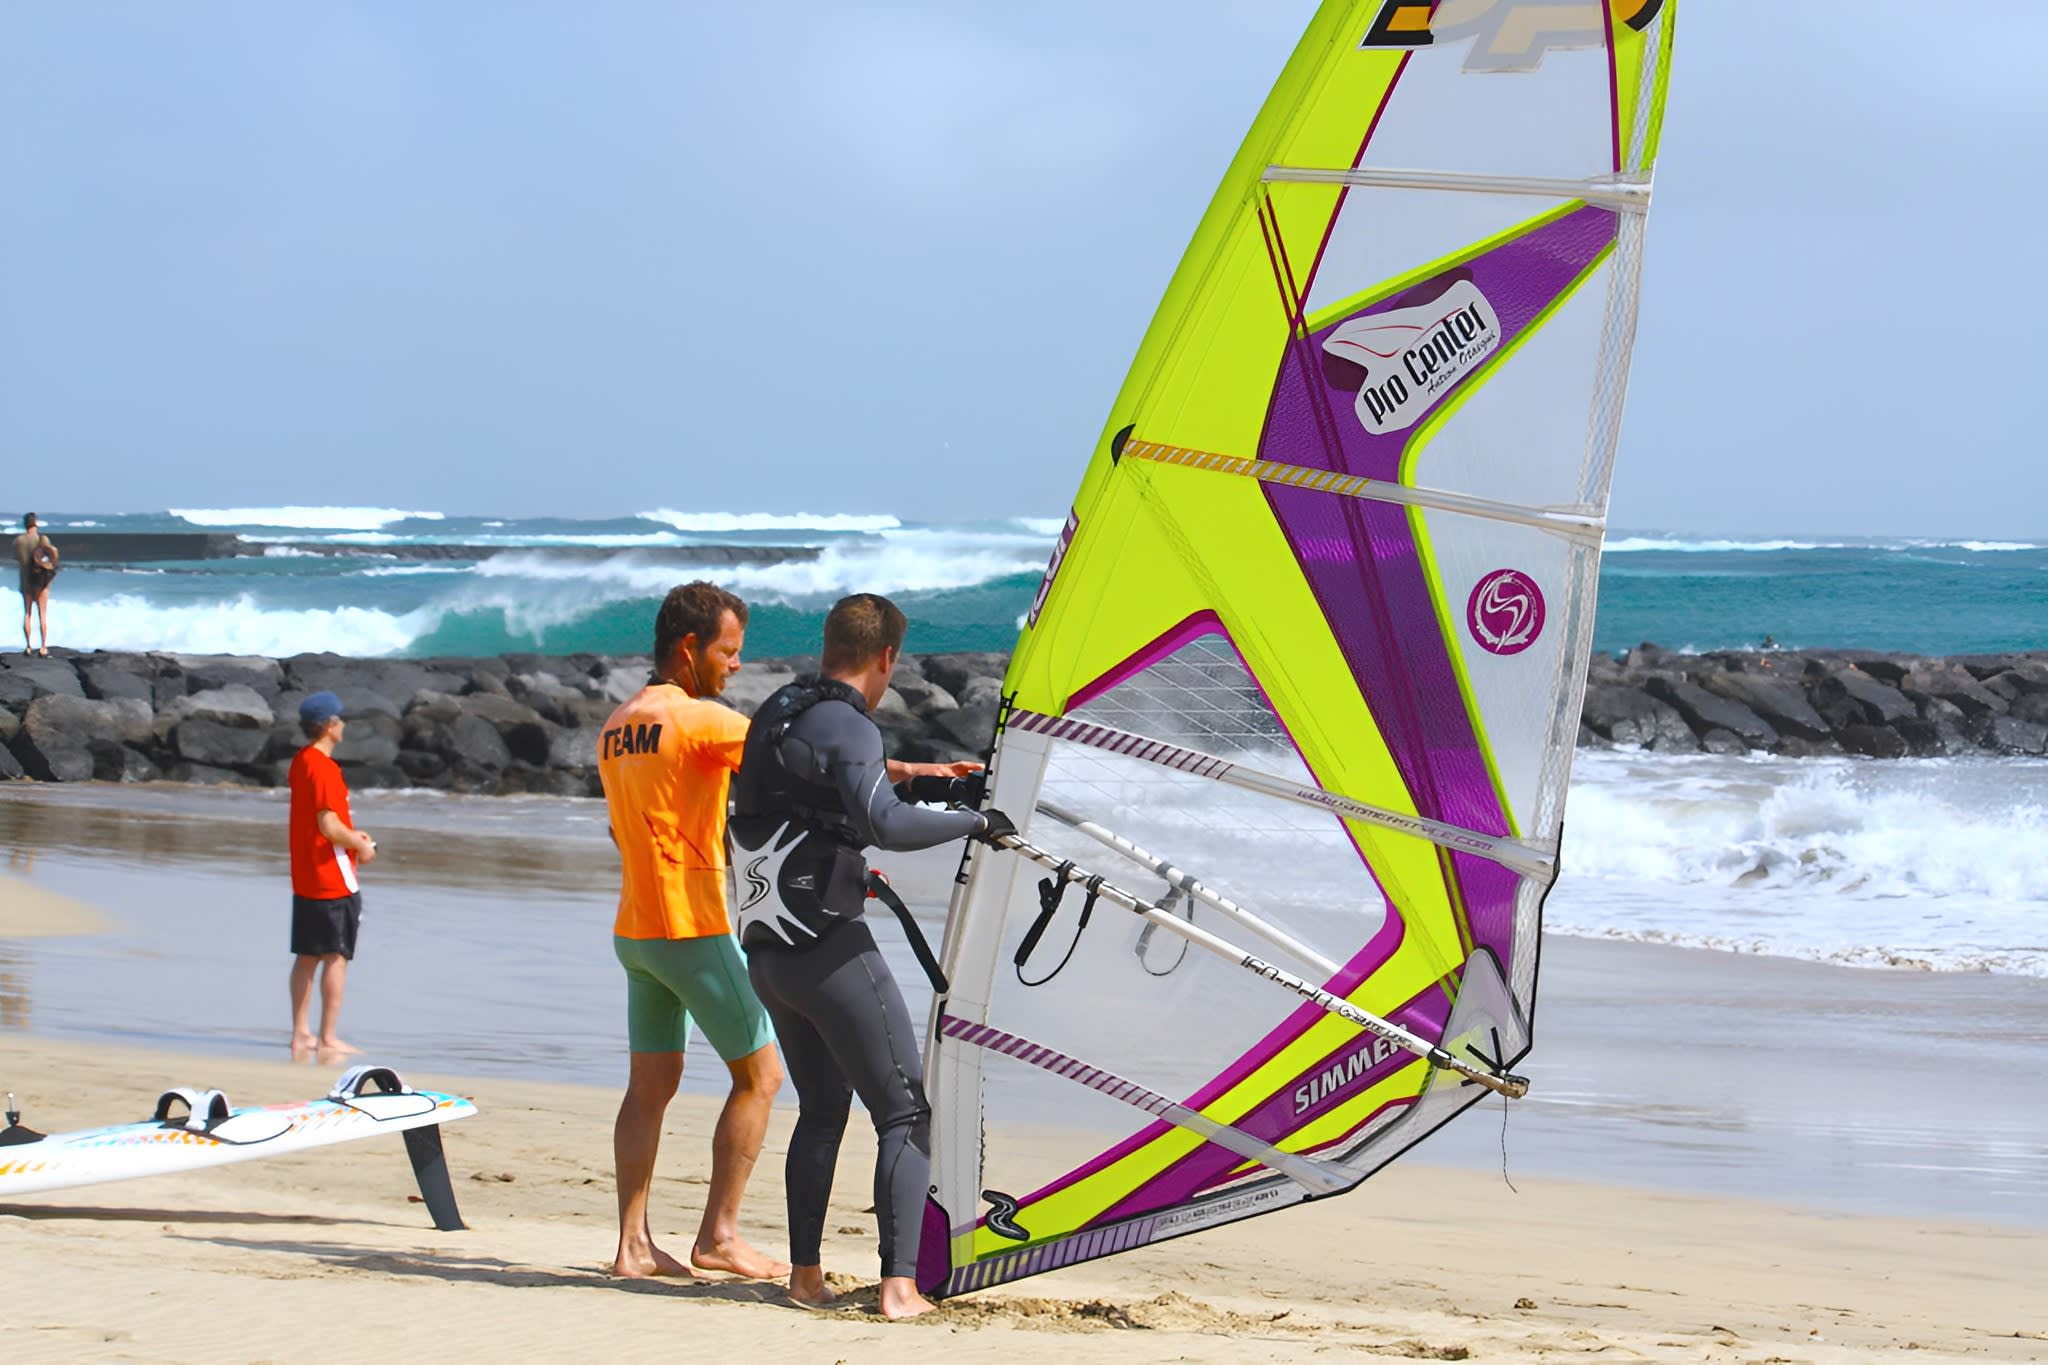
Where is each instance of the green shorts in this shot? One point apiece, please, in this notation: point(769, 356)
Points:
point(670, 979)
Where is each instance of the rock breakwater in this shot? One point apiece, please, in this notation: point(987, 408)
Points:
point(529, 723)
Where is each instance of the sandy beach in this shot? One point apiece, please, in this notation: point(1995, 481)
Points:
point(1726, 1158)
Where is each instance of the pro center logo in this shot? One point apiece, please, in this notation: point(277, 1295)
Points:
point(1411, 356)
point(1507, 35)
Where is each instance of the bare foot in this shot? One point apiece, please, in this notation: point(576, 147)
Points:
point(735, 1257)
point(807, 1288)
point(302, 1046)
point(649, 1262)
point(900, 1298)
point(337, 1048)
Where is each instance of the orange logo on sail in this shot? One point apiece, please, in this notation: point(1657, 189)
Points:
point(1507, 35)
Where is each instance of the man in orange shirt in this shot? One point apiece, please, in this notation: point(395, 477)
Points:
point(327, 904)
point(666, 756)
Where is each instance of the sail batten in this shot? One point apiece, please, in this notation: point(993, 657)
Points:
point(1317, 625)
point(1630, 194)
point(1571, 523)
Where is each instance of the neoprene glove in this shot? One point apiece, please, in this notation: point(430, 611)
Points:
point(942, 791)
point(995, 826)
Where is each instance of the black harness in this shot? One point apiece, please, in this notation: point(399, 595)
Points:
point(798, 867)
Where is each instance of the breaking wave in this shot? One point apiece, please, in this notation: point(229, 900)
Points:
point(1934, 863)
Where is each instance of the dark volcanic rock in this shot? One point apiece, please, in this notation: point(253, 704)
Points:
point(10, 766)
point(474, 742)
point(23, 679)
point(1940, 731)
point(1627, 716)
point(903, 735)
point(113, 762)
point(954, 671)
point(1848, 696)
point(369, 739)
point(64, 719)
point(205, 672)
point(972, 727)
point(1780, 701)
point(58, 760)
point(350, 679)
point(236, 704)
point(113, 676)
point(1873, 741)
point(1953, 684)
point(421, 769)
point(2009, 736)
point(216, 745)
point(365, 775)
point(1706, 712)
point(1723, 742)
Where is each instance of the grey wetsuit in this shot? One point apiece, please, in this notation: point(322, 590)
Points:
point(838, 1013)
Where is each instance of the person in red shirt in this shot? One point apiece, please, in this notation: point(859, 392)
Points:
point(327, 904)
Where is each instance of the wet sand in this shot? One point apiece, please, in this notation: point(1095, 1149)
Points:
point(1828, 1163)
point(324, 1255)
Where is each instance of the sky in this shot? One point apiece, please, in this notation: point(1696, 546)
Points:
point(513, 257)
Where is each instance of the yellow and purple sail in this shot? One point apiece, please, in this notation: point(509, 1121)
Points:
point(1302, 682)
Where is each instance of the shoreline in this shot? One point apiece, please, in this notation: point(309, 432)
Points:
point(528, 723)
point(486, 952)
point(1418, 1263)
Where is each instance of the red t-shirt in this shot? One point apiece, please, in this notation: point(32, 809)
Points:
point(320, 871)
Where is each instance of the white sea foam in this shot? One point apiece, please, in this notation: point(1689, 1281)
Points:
point(897, 562)
point(240, 626)
point(409, 571)
point(289, 552)
point(304, 518)
point(715, 522)
point(1935, 863)
point(1041, 526)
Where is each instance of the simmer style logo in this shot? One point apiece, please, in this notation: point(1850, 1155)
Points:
point(1505, 612)
point(1412, 355)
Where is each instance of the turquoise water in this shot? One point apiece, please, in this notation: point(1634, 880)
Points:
point(361, 581)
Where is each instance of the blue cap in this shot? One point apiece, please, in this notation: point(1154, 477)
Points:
point(319, 708)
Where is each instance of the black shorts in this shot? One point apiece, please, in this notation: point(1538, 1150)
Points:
point(323, 927)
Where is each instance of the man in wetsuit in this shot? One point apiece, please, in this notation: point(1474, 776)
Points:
point(813, 791)
point(665, 756)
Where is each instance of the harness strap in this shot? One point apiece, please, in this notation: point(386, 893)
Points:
point(879, 889)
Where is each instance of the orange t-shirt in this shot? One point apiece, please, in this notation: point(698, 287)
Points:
point(320, 871)
point(666, 759)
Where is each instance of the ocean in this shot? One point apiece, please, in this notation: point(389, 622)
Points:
point(384, 581)
point(1931, 864)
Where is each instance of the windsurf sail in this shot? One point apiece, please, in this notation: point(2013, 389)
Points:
point(1288, 729)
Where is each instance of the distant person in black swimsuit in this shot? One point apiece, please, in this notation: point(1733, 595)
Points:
point(813, 792)
point(36, 554)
